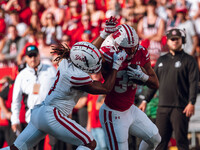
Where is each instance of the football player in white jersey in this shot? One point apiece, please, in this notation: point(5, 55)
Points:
point(72, 80)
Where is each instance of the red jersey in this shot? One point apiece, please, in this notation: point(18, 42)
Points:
point(123, 93)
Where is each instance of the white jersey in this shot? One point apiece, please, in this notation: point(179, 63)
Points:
point(62, 94)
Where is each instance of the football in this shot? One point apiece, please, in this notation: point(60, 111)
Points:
point(139, 82)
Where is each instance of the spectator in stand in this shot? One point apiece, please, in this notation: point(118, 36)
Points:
point(52, 30)
point(151, 29)
point(34, 24)
point(12, 5)
point(15, 20)
point(2, 29)
point(6, 133)
point(34, 8)
point(139, 10)
point(162, 9)
point(86, 32)
point(194, 13)
point(66, 39)
point(97, 16)
point(31, 40)
point(53, 8)
point(5, 113)
point(12, 47)
point(2, 23)
point(191, 35)
point(33, 82)
point(72, 17)
point(45, 56)
point(171, 21)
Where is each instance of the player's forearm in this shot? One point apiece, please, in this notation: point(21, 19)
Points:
point(152, 82)
point(97, 42)
point(110, 81)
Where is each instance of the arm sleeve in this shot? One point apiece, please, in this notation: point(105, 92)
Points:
point(193, 80)
point(151, 92)
point(16, 101)
point(149, 95)
point(80, 81)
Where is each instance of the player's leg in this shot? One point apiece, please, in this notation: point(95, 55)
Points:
point(99, 136)
point(115, 125)
point(29, 137)
point(145, 129)
point(66, 129)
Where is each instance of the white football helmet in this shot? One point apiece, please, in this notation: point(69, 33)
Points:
point(86, 57)
point(126, 36)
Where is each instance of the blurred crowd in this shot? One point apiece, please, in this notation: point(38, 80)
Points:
point(47, 22)
point(44, 23)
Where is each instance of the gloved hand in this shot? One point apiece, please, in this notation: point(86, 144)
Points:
point(137, 74)
point(118, 58)
point(110, 27)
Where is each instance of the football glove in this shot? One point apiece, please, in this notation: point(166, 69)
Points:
point(137, 74)
point(118, 58)
point(110, 27)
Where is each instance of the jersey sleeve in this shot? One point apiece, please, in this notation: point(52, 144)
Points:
point(107, 52)
point(80, 80)
point(145, 55)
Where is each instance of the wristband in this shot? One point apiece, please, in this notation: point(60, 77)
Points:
point(115, 66)
point(145, 77)
point(104, 35)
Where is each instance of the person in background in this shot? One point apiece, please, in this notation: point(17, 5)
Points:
point(178, 75)
point(12, 47)
point(52, 30)
point(97, 16)
point(188, 27)
point(15, 20)
point(33, 83)
point(86, 32)
point(54, 9)
point(31, 40)
point(34, 8)
point(3, 26)
point(5, 113)
point(139, 10)
point(34, 24)
point(151, 29)
point(72, 19)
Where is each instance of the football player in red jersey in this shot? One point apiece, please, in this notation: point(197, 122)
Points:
point(118, 115)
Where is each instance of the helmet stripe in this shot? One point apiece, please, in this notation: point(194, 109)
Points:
point(128, 32)
point(89, 48)
point(80, 78)
point(131, 33)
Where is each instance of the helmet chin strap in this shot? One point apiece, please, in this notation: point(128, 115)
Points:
point(132, 55)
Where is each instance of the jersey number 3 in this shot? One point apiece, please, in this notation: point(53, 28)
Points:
point(55, 83)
